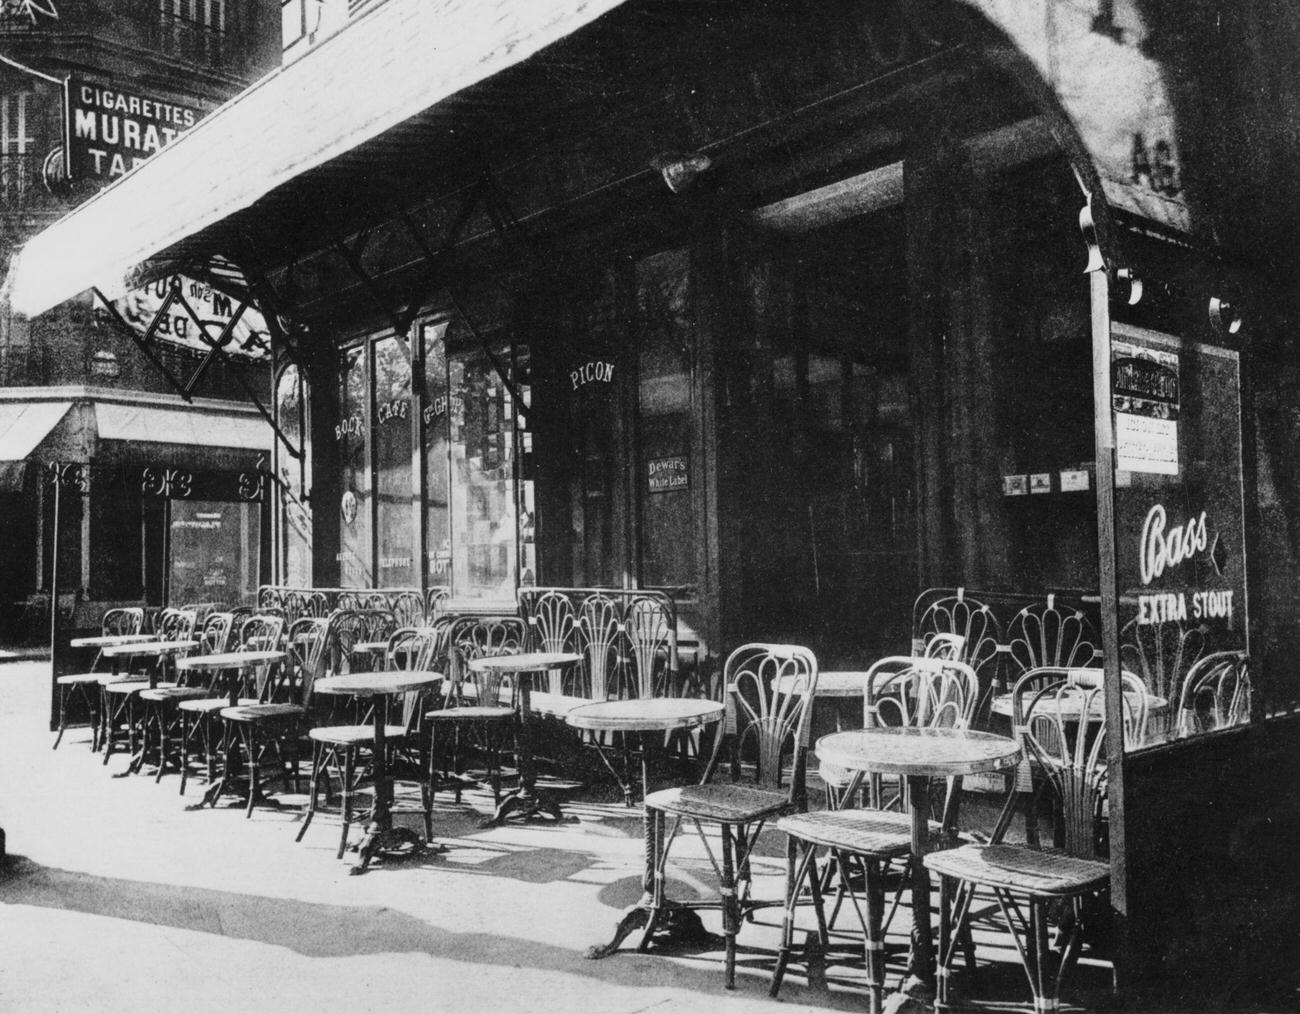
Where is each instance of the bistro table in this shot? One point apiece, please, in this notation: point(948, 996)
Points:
point(381, 835)
point(524, 801)
point(109, 640)
point(83, 681)
point(649, 717)
point(1071, 703)
point(241, 663)
point(158, 650)
point(916, 755)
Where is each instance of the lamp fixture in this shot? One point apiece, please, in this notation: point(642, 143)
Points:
point(680, 168)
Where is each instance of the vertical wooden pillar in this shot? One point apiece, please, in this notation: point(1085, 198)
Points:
point(419, 516)
point(928, 210)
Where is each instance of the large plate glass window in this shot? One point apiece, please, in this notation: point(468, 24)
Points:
point(351, 431)
point(392, 450)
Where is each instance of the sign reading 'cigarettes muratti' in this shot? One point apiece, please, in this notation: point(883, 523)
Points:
point(111, 131)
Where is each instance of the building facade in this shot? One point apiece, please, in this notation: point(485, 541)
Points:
point(87, 91)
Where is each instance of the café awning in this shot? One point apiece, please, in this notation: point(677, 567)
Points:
point(23, 425)
point(391, 64)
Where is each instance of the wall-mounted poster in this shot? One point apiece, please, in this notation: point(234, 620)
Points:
point(1146, 397)
point(668, 475)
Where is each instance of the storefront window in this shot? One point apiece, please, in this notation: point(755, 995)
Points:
point(666, 347)
point(482, 487)
point(392, 450)
point(352, 432)
point(214, 553)
point(1180, 529)
point(437, 510)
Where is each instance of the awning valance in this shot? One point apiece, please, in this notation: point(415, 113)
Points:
point(151, 424)
point(389, 65)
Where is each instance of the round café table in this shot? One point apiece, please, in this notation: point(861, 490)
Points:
point(651, 718)
point(916, 755)
point(83, 681)
point(381, 835)
point(1071, 704)
point(151, 648)
point(524, 802)
point(109, 640)
point(241, 663)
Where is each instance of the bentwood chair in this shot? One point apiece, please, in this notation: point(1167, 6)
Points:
point(901, 692)
point(767, 732)
point(1030, 878)
point(85, 685)
point(119, 694)
point(271, 725)
point(162, 715)
point(198, 714)
point(479, 710)
point(1215, 694)
point(338, 751)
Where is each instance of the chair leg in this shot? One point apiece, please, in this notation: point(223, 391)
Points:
point(730, 916)
point(349, 762)
point(874, 889)
point(249, 736)
point(63, 716)
point(313, 787)
point(426, 787)
point(793, 868)
point(160, 717)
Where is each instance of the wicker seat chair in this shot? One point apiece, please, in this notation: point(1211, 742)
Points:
point(198, 714)
point(479, 710)
point(271, 725)
point(84, 686)
point(119, 694)
point(768, 735)
point(340, 750)
point(901, 692)
point(1071, 764)
point(161, 705)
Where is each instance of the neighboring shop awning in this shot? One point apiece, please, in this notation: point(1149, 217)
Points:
point(150, 424)
point(23, 425)
point(392, 63)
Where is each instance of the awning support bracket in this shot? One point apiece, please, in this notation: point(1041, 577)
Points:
point(353, 260)
point(141, 341)
point(434, 259)
point(215, 345)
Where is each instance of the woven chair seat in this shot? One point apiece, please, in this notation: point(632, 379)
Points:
point(880, 833)
point(73, 679)
point(469, 712)
point(1034, 871)
point(211, 705)
point(134, 686)
point(723, 802)
point(350, 735)
point(262, 712)
point(107, 679)
point(164, 694)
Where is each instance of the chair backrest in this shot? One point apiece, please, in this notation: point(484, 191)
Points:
point(1215, 694)
point(552, 622)
point(770, 690)
point(1072, 763)
point(932, 693)
point(1051, 633)
point(474, 637)
point(307, 646)
point(944, 646)
point(1136, 703)
point(415, 649)
point(1163, 655)
point(407, 608)
point(435, 602)
point(262, 632)
point(129, 620)
point(971, 619)
point(652, 647)
point(215, 634)
point(600, 627)
point(175, 624)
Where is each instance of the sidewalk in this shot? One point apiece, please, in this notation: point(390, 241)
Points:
point(116, 898)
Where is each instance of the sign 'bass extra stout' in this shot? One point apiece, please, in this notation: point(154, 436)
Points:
point(111, 131)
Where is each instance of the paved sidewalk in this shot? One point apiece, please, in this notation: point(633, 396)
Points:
point(118, 898)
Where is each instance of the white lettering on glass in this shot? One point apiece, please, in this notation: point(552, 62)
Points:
point(1161, 549)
